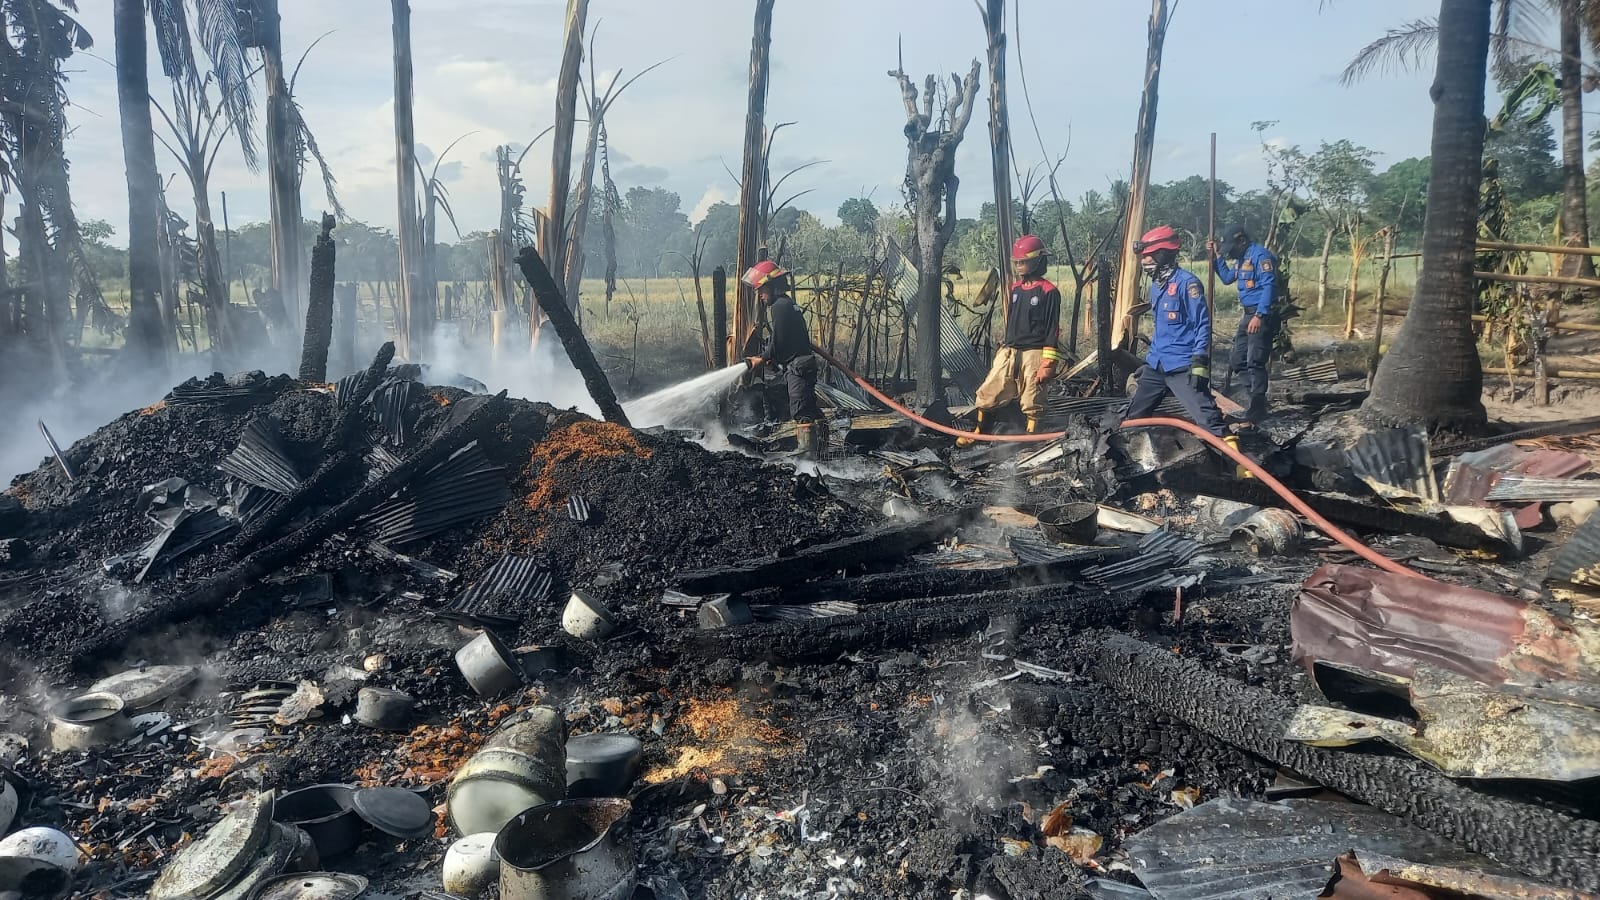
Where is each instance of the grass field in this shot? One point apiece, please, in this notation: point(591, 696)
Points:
point(650, 334)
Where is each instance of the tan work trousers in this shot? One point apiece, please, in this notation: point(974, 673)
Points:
point(1014, 376)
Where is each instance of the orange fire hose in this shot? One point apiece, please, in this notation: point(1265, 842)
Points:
point(1250, 465)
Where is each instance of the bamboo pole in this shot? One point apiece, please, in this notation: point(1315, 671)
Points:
point(1383, 294)
point(1553, 280)
point(1556, 373)
point(1211, 236)
point(1139, 184)
point(1539, 248)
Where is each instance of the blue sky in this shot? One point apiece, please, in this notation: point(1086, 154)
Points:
point(489, 67)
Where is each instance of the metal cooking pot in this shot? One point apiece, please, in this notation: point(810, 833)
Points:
point(565, 851)
point(88, 721)
point(324, 812)
point(522, 765)
point(1072, 523)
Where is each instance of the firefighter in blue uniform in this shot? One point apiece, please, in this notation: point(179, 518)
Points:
point(1255, 270)
point(1179, 362)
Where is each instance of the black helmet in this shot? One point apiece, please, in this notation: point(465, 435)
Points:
point(1233, 230)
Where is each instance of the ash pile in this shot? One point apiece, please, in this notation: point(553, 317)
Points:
point(389, 639)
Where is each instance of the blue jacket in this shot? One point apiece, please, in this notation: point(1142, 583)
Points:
point(1183, 323)
point(1257, 275)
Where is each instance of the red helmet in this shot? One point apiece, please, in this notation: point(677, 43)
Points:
point(1028, 247)
point(762, 272)
point(1161, 237)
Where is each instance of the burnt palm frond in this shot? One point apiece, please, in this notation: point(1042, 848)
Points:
point(172, 40)
point(308, 145)
point(1403, 49)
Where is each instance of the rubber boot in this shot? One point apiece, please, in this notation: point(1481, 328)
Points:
point(1238, 470)
point(965, 442)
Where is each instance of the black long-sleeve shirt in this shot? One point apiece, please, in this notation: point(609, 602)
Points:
point(789, 338)
point(1033, 317)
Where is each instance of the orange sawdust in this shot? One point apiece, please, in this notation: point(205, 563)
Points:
point(153, 408)
point(730, 740)
point(431, 754)
point(573, 445)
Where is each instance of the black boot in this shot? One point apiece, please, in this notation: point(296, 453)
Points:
point(1256, 412)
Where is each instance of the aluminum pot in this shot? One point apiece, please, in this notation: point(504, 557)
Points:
point(566, 851)
point(470, 865)
point(522, 765)
point(602, 765)
point(383, 708)
point(489, 665)
point(587, 618)
point(88, 721)
point(324, 812)
point(1072, 523)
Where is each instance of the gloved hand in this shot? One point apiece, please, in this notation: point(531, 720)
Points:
point(1047, 371)
point(1200, 373)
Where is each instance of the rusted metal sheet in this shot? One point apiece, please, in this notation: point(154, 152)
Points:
point(1365, 875)
point(1474, 475)
point(1385, 623)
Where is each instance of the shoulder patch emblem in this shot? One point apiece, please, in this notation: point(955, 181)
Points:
point(1266, 264)
point(1194, 290)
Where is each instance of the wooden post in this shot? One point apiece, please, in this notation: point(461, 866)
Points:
point(548, 296)
point(282, 169)
point(1541, 337)
point(752, 188)
point(1383, 294)
point(1103, 322)
point(319, 308)
point(1353, 284)
point(1144, 140)
point(1211, 235)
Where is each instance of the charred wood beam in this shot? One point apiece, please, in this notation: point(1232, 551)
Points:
point(822, 559)
point(476, 421)
point(911, 622)
point(1544, 843)
point(339, 458)
point(1351, 513)
point(319, 308)
point(555, 307)
point(887, 587)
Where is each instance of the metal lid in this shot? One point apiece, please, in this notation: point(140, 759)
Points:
point(394, 811)
point(271, 863)
point(313, 886)
point(218, 858)
point(147, 686)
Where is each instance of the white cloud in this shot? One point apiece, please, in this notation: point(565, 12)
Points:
point(714, 194)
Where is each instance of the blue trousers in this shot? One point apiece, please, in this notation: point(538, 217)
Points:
point(1155, 385)
point(1252, 352)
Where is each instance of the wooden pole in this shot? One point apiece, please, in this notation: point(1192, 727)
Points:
point(282, 172)
point(1211, 235)
point(548, 295)
point(999, 130)
point(1541, 375)
point(554, 238)
point(752, 187)
point(1553, 373)
point(1103, 333)
point(1139, 184)
point(1538, 248)
point(719, 315)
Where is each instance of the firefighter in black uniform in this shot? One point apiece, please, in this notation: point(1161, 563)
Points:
point(1027, 357)
point(788, 346)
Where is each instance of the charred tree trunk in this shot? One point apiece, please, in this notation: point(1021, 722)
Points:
point(1144, 142)
point(931, 186)
point(585, 199)
point(994, 24)
point(146, 344)
point(1575, 188)
point(283, 169)
point(553, 243)
point(752, 187)
point(719, 316)
point(1432, 374)
point(549, 298)
point(319, 308)
point(417, 319)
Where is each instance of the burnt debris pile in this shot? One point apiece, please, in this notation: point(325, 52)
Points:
point(388, 637)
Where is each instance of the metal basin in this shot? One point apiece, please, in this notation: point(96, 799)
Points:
point(88, 721)
point(324, 812)
point(1072, 523)
point(565, 851)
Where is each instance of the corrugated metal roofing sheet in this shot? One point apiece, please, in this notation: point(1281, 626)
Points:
point(1395, 458)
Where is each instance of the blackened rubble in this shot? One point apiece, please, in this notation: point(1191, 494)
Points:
point(953, 731)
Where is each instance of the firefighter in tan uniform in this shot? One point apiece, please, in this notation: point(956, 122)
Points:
point(1027, 357)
